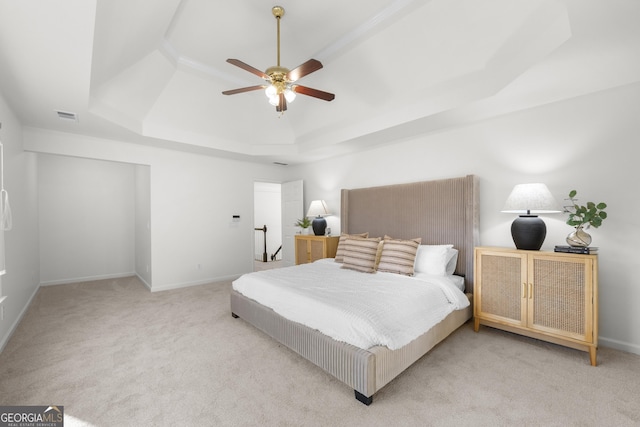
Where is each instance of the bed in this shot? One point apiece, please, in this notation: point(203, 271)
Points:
point(439, 212)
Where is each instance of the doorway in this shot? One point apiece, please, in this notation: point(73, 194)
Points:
point(267, 216)
point(276, 207)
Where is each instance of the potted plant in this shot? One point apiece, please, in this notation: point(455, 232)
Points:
point(582, 217)
point(304, 224)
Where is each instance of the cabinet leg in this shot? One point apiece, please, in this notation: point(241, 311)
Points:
point(476, 324)
point(592, 356)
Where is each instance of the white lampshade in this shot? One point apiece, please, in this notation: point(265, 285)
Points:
point(318, 208)
point(531, 199)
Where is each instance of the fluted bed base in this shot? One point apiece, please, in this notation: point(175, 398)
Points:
point(366, 371)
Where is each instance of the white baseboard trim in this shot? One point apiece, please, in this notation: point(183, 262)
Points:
point(151, 287)
point(168, 287)
point(619, 345)
point(144, 281)
point(15, 324)
point(86, 279)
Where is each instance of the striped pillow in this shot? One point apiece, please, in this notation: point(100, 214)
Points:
point(360, 254)
point(343, 236)
point(398, 256)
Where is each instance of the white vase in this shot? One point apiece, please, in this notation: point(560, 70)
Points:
point(579, 238)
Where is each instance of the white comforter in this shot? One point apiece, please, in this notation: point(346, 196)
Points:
point(361, 309)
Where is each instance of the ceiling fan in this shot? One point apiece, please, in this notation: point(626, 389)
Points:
point(280, 87)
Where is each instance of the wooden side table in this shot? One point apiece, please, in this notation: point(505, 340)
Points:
point(551, 296)
point(310, 248)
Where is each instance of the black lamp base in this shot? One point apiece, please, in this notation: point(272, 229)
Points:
point(528, 232)
point(319, 226)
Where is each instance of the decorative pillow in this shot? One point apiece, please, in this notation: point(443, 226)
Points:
point(340, 250)
point(360, 254)
point(433, 259)
point(398, 256)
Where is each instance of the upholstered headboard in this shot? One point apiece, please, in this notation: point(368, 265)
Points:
point(444, 211)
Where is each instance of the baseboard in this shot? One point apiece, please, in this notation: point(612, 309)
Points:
point(87, 279)
point(619, 345)
point(14, 326)
point(148, 285)
point(152, 288)
point(168, 287)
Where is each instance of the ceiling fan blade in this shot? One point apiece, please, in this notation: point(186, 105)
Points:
point(326, 96)
point(282, 105)
point(248, 68)
point(243, 89)
point(302, 70)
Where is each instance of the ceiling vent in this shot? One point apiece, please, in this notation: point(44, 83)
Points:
point(66, 115)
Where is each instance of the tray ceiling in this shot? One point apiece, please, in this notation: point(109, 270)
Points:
point(152, 72)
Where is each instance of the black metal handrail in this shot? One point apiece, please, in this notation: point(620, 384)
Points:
point(265, 257)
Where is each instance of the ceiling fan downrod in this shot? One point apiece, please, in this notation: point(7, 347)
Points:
point(278, 12)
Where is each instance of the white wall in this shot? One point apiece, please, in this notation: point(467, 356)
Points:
point(143, 224)
point(589, 144)
point(86, 219)
point(21, 243)
point(192, 200)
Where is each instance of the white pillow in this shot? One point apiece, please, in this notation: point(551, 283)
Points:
point(435, 259)
point(453, 261)
point(458, 281)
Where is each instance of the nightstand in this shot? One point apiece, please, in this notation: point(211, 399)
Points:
point(551, 296)
point(311, 248)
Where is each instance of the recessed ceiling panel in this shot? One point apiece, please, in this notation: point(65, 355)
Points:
point(153, 72)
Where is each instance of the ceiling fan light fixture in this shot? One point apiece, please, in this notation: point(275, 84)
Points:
point(280, 89)
point(271, 91)
point(289, 94)
point(274, 100)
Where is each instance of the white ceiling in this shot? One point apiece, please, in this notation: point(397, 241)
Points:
point(152, 71)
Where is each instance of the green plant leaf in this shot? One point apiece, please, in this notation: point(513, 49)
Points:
point(591, 214)
point(303, 223)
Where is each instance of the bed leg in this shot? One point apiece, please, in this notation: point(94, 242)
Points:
point(235, 316)
point(367, 400)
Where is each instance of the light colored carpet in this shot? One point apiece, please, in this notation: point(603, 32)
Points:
point(115, 354)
